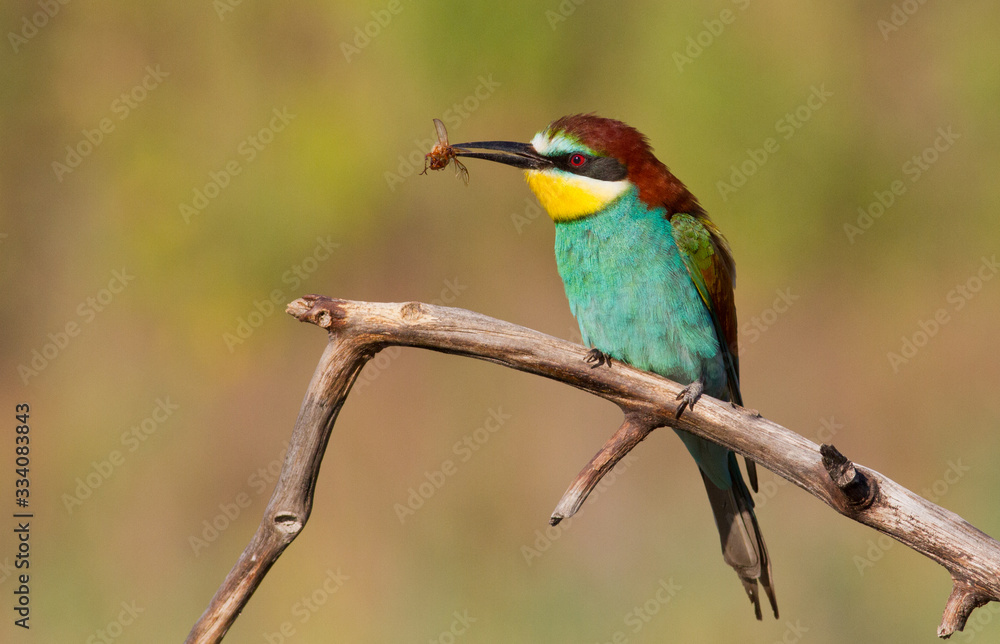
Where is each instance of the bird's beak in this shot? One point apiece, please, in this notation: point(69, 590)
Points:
point(519, 155)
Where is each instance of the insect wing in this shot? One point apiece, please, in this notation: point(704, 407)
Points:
point(442, 132)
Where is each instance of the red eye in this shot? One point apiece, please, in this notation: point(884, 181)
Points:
point(577, 160)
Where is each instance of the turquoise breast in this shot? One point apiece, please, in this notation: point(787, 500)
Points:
point(632, 295)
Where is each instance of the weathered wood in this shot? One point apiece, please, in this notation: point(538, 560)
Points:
point(288, 510)
point(358, 330)
point(633, 430)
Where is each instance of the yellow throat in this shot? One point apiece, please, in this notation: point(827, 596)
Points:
point(568, 196)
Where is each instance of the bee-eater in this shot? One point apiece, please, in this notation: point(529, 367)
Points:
point(650, 280)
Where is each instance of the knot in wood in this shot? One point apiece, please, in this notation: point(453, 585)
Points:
point(327, 312)
point(287, 522)
point(323, 319)
point(411, 311)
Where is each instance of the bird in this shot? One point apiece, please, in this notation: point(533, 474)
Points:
point(649, 278)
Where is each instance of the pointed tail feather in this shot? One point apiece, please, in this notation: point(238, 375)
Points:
point(742, 543)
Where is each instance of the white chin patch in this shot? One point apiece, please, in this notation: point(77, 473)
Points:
point(603, 191)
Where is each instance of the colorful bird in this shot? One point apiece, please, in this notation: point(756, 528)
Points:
point(649, 279)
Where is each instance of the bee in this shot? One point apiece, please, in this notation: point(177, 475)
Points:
point(442, 154)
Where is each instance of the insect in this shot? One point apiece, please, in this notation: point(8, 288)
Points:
point(442, 153)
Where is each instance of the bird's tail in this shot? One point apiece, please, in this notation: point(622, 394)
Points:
point(742, 543)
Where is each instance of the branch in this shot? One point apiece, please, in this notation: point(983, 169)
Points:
point(633, 430)
point(358, 330)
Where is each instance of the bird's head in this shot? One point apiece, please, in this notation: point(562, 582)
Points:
point(579, 164)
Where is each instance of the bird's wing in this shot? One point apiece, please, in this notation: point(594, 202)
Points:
point(710, 263)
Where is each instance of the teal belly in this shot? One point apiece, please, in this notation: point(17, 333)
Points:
point(634, 300)
point(633, 297)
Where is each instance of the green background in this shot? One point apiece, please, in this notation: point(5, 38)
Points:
point(339, 171)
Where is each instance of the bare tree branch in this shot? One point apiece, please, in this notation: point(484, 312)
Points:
point(358, 330)
point(634, 429)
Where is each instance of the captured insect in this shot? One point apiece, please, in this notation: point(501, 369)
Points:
point(443, 153)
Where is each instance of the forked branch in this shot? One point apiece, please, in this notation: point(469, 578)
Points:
point(358, 330)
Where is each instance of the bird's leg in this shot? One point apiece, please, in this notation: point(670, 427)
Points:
point(689, 396)
point(597, 358)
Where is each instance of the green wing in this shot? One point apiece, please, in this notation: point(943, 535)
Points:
point(710, 264)
point(709, 261)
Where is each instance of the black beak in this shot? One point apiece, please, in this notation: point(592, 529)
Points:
point(519, 155)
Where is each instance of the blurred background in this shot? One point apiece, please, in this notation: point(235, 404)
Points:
point(172, 174)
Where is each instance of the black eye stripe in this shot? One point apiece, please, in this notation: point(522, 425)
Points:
point(602, 168)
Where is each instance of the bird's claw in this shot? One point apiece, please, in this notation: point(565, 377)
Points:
point(597, 358)
point(689, 396)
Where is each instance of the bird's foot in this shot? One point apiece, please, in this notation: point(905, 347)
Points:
point(689, 396)
point(597, 357)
